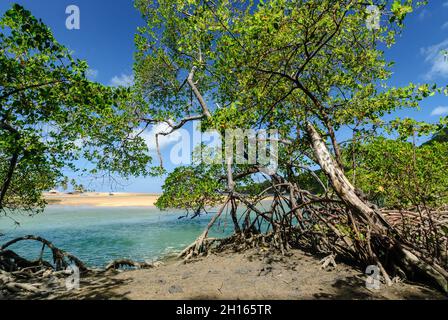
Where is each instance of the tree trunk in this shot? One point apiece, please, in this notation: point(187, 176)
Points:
point(406, 256)
point(12, 162)
point(341, 184)
point(8, 178)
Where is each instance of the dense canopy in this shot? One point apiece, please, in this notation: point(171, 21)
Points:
point(51, 115)
point(307, 69)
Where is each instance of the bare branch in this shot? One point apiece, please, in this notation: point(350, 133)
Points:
point(197, 93)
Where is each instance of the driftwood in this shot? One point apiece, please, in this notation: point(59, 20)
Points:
point(117, 264)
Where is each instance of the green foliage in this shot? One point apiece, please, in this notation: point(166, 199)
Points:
point(400, 10)
point(51, 115)
point(260, 62)
point(397, 174)
point(308, 182)
point(273, 64)
point(190, 188)
point(440, 136)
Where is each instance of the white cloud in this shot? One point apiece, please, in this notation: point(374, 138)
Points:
point(437, 60)
point(164, 141)
point(445, 25)
point(122, 81)
point(92, 74)
point(445, 4)
point(439, 111)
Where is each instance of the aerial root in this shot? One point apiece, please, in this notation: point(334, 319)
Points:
point(401, 243)
point(201, 246)
point(61, 259)
point(40, 279)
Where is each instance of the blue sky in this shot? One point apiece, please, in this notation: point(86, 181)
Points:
point(105, 40)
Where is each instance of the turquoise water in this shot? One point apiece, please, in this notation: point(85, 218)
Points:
point(100, 235)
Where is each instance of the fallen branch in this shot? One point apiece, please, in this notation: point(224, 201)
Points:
point(117, 264)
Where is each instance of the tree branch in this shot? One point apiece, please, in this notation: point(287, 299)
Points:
point(197, 93)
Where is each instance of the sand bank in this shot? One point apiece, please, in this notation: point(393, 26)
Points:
point(100, 199)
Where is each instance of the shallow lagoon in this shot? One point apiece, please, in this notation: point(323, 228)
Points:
point(99, 235)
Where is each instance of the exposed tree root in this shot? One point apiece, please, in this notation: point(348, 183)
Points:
point(116, 264)
point(296, 218)
point(39, 279)
point(60, 257)
point(202, 243)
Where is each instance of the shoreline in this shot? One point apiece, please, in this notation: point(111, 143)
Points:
point(105, 200)
point(256, 274)
point(102, 199)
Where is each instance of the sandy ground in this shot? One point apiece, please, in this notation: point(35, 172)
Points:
point(99, 199)
point(104, 199)
point(252, 275)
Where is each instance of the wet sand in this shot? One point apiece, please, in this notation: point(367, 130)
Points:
point(103, 199)
point(257, 275)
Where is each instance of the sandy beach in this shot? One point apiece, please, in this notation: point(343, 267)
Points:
point(102, 199)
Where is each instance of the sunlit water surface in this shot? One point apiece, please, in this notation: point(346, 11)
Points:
point(100, 235)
